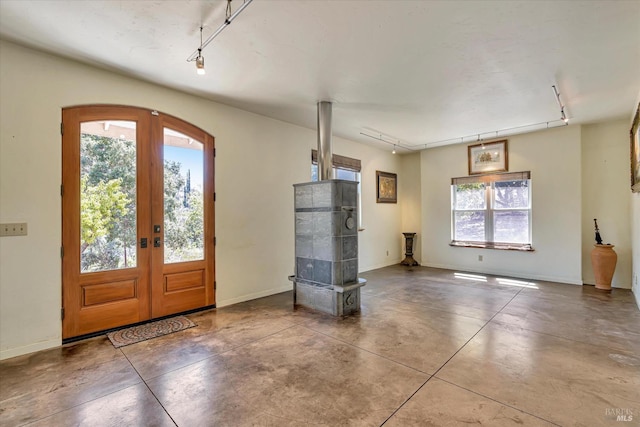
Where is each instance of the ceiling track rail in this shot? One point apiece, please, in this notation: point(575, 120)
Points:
point(224, 25)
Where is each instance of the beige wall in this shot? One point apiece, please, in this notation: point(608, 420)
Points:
point(605, 196)
point(254, 208)
point(553, 157)
point(409, 192)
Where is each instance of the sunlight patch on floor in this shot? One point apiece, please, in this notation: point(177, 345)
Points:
point(519, 283)
point(467, 276)
point(500, 280)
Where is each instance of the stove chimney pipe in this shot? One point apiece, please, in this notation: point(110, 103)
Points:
point(325, 165)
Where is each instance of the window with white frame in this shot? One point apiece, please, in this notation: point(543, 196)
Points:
point(345, 168)
point(492, 211)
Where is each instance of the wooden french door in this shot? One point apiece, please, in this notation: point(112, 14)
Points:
point(137, 217)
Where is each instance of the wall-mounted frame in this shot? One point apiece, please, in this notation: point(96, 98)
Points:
point(488, 157)
point(387, 187)
point(635, 153)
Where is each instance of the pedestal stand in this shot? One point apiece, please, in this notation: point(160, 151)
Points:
point(408, 256)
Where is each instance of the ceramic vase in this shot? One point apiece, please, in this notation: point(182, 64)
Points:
point(603, 260)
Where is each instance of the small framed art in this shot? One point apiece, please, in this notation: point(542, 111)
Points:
point(488, 157)
point(387, 187)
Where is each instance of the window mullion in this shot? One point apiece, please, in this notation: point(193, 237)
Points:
point(488, 221)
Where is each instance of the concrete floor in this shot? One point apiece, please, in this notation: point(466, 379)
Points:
point(430, 348)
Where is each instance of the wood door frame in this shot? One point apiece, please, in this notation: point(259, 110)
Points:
point(145, 144)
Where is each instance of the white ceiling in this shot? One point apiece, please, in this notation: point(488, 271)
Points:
point(417, 72)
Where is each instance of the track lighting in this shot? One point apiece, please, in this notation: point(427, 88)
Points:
point(200, 64)
point(197, 54)
point(200, 59)
point(563, 116)
point(395, 141)
point(477, 137)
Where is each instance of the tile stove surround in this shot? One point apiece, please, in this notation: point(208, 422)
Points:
point(326, 229)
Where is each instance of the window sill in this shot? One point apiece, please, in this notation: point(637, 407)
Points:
point(499, 246)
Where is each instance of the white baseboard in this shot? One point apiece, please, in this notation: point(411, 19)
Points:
point(278, 290)
point(517, 274)
point(254, 295)
point(31, 348)
point(377, 266)
point(636, 294)
point(44, 345)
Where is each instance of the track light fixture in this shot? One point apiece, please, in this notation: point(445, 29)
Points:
point(515, 130)
point(385, 138)
point(197, 54)
point(476, 137)
point(200, 59)
point(467, 138)
point(563, 116)
point(200, 65)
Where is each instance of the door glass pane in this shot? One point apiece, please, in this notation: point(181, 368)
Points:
point(183, 198)
point(107, 195)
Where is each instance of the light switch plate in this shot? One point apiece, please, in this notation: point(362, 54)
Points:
point(13, 229)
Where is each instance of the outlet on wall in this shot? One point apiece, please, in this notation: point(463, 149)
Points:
point(387, 253)
point(13, 229)
point(480, 257)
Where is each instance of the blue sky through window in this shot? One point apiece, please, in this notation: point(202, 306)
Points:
point(189, 159)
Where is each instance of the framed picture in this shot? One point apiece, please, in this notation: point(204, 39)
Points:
point(387, 185)
point(488, 157)
point(635, 154)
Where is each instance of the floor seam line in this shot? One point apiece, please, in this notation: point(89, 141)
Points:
point(257, 340)
point(405, 402)
point(149, 388)
point(429, 308)
point(83, 403)
point(498, 322)
point(449, 359)
point(368, 351)
point(474, 335)
point(190, 364)
point(218, 354)
point(497, 401)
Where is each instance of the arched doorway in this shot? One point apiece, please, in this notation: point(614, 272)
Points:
point(137, 217)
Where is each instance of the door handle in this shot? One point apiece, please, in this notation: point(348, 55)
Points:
point(156, 242)
point(143, 242)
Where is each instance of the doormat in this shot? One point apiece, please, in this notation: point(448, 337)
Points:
point(135, 334)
